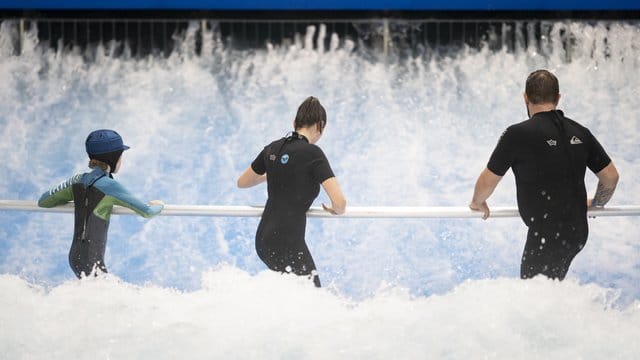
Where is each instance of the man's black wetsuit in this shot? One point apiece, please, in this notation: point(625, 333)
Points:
point(549, 154)
point(295, 169)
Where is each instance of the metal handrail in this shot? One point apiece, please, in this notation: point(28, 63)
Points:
point(352, 211)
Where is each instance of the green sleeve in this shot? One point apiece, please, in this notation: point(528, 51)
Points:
point(59, 195)
point(104, 208)
point(116, 194)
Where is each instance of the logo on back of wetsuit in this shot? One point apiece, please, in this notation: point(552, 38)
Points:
point(575, 141)
point(551, 142)
point(284, 158)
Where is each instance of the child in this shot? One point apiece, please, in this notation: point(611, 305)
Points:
point(94, 194)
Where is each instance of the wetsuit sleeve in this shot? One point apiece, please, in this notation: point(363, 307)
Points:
point(59, 195)
point(122, 197)
point(258, 164)
point(504, 154)
point(320, 168)
point(598, 158)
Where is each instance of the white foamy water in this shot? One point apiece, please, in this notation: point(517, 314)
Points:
point(400, 132)
point(238, 316)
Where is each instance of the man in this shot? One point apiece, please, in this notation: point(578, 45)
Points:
point(548, 154)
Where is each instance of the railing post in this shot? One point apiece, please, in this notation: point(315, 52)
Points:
point(203, 28)
point(386, 37)
point(21, 36)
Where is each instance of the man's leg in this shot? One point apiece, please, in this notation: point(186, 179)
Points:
point(551, 248)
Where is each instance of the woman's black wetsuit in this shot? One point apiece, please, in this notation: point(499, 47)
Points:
point(295, 169)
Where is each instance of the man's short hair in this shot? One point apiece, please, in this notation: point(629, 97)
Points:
point(542, 87)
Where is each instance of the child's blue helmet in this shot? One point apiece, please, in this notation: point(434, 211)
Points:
point(104, 141)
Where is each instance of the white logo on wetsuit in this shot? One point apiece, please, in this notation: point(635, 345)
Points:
point(284, 158)
point(575, 141)
point(551, 142)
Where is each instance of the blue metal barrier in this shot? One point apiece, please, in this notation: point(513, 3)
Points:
point(412, 5)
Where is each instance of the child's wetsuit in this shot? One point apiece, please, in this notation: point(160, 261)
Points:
point(94, 194)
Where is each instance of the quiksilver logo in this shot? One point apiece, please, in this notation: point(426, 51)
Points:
point(575, 141)
point(551, 142)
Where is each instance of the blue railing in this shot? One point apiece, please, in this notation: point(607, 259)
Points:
point(412, 5)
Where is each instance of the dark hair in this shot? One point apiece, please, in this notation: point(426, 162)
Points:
point(310, 112)
point(107, 159)
point(542, 87)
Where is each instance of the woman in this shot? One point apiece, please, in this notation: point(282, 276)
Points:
point(294, 168)
point(94, 194)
